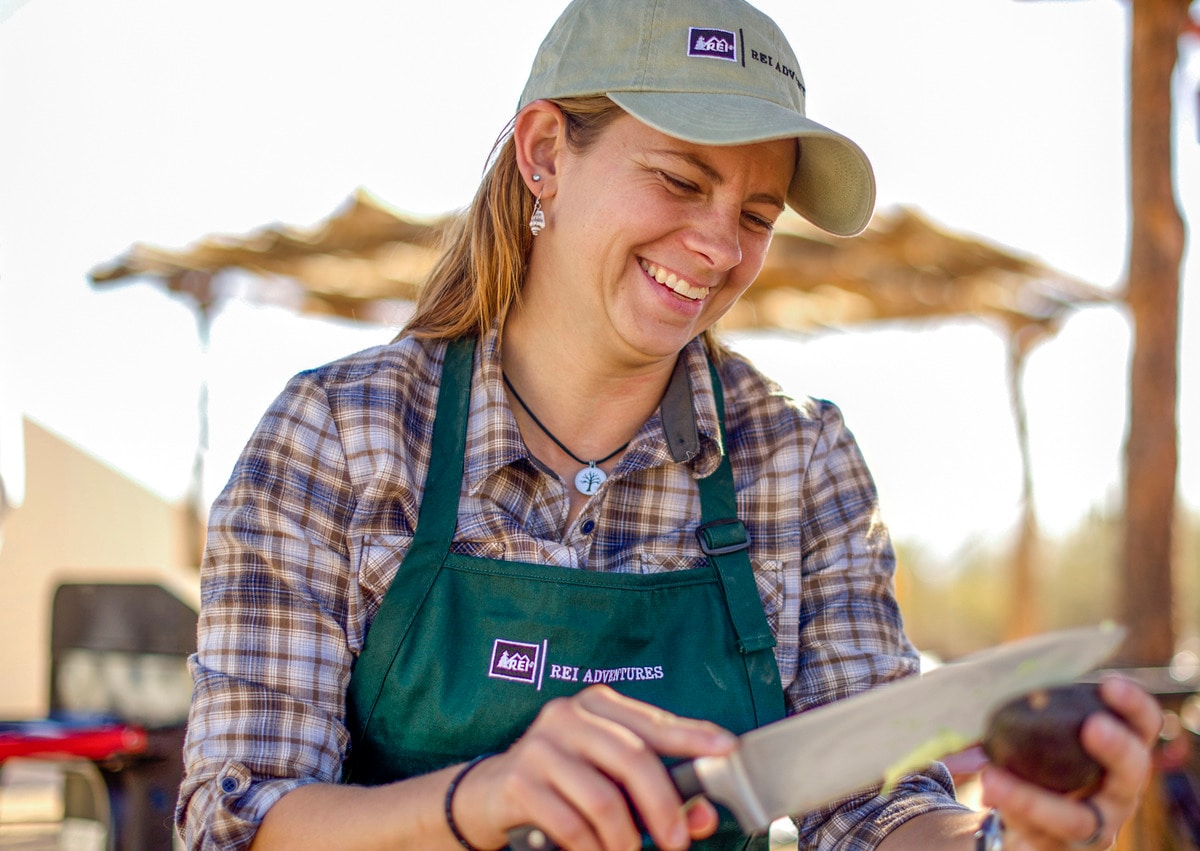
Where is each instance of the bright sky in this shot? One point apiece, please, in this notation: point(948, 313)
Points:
point(166, 121)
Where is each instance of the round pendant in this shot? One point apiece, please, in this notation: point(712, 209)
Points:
point(589, 479)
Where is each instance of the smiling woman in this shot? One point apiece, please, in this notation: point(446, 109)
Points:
point(402, 584)
point(649, 241)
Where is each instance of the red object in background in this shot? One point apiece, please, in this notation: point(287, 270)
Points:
point(98, 742)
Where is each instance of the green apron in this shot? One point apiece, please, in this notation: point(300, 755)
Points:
point(464, 650)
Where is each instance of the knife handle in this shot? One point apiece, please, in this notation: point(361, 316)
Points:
point(686, 780)
point(531, 838)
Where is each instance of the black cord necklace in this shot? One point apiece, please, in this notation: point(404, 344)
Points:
point(587, 480)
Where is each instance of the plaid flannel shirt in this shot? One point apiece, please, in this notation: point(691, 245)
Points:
point(341, 456)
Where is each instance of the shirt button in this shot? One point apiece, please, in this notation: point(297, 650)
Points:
point(229, 785)
point(588, 526)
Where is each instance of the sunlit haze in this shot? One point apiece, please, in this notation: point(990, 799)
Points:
point(164, 122)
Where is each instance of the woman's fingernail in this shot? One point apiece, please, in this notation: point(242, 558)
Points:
point(1103, 726)
point(724, 739)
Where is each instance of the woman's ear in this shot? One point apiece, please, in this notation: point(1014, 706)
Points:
point(539, 137)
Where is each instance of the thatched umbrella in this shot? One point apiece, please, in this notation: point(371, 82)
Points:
point(364, 258)
point(354, 264)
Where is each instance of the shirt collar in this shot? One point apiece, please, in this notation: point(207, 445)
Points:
point(493, 439)
point(684, 429)
point(690, 429)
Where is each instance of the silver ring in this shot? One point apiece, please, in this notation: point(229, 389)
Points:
point(990, 836)
point(1095, 837)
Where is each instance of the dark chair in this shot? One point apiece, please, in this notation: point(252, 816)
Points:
point(119, 651)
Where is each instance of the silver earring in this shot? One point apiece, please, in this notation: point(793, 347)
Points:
point(538, 220)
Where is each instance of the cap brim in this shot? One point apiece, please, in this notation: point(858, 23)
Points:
point(834, 185)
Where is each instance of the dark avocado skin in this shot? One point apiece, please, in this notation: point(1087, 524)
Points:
point(1036, 737)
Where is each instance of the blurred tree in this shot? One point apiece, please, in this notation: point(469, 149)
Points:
point(951, 609)
point(1081, 582)
point(952, 606)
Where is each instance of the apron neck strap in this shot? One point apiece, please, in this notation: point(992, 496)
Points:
point(438, 515)
point(724, 540)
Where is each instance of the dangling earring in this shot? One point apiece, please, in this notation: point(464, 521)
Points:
point(538, 220)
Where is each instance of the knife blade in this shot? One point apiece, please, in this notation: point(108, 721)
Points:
point(799, 763)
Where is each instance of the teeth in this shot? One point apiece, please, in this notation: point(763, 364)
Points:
point(673, 282)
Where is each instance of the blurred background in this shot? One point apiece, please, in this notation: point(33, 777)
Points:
point(198, 200)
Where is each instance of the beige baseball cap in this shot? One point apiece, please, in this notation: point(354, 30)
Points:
point(714, 72)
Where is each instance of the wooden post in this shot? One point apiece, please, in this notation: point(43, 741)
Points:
point(1024, 615)
point(1151, 450)
point(1155, 254)
point(1156, 242)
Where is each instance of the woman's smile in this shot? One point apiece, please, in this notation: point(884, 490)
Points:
point(673, 282)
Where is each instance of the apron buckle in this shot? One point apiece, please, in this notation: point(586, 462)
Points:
point(720, 537)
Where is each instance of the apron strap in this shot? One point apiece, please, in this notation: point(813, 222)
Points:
point(431, 540)
point(435, 525)
point(725, 541)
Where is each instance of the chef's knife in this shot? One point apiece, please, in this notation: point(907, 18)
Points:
point(797, 764)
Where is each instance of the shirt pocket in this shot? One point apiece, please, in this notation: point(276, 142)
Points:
point(378, 561)
point(492, 549)
point(375, 567)
point(649, 561)
point(768, 577)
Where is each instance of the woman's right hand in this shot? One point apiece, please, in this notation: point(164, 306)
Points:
point(583, 764)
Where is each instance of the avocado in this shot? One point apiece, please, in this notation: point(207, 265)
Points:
point(1036, 737)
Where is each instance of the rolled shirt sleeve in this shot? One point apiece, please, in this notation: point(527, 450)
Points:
point(273, 660)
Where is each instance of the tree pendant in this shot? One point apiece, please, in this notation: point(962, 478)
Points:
point(589, 479)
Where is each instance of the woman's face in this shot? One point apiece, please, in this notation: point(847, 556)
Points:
point(649, 239)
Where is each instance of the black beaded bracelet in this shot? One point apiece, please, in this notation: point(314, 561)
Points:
point(450, 790)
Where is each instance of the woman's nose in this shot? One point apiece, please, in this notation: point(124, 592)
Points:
point(715, 234)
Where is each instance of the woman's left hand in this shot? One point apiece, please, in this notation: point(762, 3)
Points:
point(1038, 819)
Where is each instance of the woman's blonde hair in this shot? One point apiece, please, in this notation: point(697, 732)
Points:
point(481, 269)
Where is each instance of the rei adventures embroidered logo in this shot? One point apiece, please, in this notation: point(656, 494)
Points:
point(714, 44)
point(517, 661)
point(520, 662)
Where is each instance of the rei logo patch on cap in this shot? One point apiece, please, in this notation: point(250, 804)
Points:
point(715, 44)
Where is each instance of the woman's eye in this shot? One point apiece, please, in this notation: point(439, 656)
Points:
point(679, 183)
point(760, 222)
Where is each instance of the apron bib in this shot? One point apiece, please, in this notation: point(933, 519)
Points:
point(464, 651)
